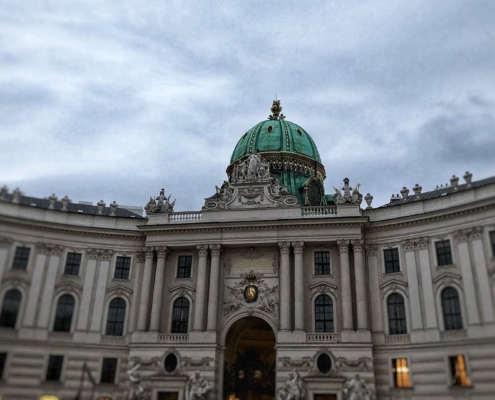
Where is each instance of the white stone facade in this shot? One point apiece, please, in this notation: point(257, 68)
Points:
point(277, 246)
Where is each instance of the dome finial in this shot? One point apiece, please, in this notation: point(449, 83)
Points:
point(276, 110)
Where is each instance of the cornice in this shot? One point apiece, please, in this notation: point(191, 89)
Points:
point(71, 229)
point(429, 217)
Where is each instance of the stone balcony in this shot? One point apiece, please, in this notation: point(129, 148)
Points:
point(323, 338)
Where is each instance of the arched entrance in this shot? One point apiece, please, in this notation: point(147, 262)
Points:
point(250, 359)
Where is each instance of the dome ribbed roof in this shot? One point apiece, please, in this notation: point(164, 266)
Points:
point(276, 135)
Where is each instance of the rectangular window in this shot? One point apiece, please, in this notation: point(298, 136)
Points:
point(322, 263)
point(3, 358)
point(392, 263)
point(54, 369)
point(492, 240)
point(458, 372)
point(21, 258)
point(184, 267)
point(122, 268)
point(72, 264)
point(400, 370)
point(444, 254)
point(108, 370)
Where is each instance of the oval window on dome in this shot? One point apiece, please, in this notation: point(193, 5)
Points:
point(314, 194)
point(324, 363)
point(171, 363)
point(270, 128)
point(299, 131)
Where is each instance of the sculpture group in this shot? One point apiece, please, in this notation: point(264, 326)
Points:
point(350, 195)
point(159, 204)
point(293, 388)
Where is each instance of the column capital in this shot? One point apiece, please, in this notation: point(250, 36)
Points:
point(422, 242)
point(140, 257)
point(298, 247)
point(203, 249)
point(93, 254)
point(42, 248)
point(371, 250)
point(408, 245)
point(343, 245)
point(357, 245)
point(284, 247)
point(106, 255)
point(216, 249)
point(162, 251)
point(476, 232)
point(148, 252)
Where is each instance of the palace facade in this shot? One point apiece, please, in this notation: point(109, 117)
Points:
point(271, 276)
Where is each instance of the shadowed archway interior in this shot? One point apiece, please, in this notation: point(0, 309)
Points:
point(249, 371)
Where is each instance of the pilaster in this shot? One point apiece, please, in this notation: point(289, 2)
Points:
point(285, 305)
point(362, 315)
point(346, 285)
point(101, 286)
point(146, 288)
point(298, 285)
point(158, 288)
point(42, 251)
point(413, 285)
point(199, 306)
point(374, 274)
point(214, 292)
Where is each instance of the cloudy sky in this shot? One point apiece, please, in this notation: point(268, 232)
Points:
point(114, 100)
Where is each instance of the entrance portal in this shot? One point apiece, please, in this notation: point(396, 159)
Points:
point(249, 372)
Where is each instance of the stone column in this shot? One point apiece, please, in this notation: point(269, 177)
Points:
point(145, 289)
point(158, 289)
point(34, 290)
point(412, 282)
point(199, 307)
point(213, 294)
point(89, 278)
point(360, 281)
point(374, 276)
point(47, 296)
point(101, 288)
point(5, 245)
point(285, 305)
point(484, 289)
point(426, 282)
point(473, 315)
point(346, 285)
point(298, 286)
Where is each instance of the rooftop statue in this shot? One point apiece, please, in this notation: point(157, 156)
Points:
point(197, 387)
point(350, 195)
point(356, 389)
point(293, 388)
point(160, 204)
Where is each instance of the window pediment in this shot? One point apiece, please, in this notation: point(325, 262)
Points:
point(323, 287)
point(119, 289)
point(393, 284)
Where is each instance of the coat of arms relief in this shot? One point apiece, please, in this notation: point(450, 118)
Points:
point(251, 293)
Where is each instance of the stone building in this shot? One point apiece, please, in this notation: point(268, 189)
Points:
point(271, 276)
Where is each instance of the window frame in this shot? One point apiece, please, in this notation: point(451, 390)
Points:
point(442, 290)
point(126, 316)
point(387, 317)
point(409, 366)
point(19, 309)
point(314, 312)
point(114, 277)
point(189, 316)
point(178, 262)
point(116, 373)
point(449, 371)
point(80, 262)
point(47, 367)
point(73, 317)
point(384, 262)
point(330, 272)
point(435, 249)
point(29, 258)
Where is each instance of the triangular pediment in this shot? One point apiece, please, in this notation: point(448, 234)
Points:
point(447, 275)
point(68, 285)
point(395, 282)
point(182, 288)
point(119, 289)
point(323, 285)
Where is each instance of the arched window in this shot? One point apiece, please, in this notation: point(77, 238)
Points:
point(451, 309)
point(116, 317)
point(396, 314)
point(63, 316)
point(180, 315)
point(323, 314)
point(10, 308)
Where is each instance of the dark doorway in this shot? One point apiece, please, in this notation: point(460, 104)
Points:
point(168, 396)
point(250, 361)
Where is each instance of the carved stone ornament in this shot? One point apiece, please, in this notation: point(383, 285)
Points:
point(252, 293)
point(93, 254)
point(323, 287)
point(371, 250)
point(188, 362)
point(357, 245)
point(149, 252)
point(203, 250)
point(292, 389)
point(289, 362)
point(276, 110)
point(197, 387)
point(349, 365)
point(159, 204)
point(298, 247)
point(106, 255)
point(140, 257)
point(356, 389)
point(284, 247)
point(250, 184)
point(162, 252)
point(422, 243)
point(139, 389)
point(343, 246)
point(408, 245)
point(350, 196)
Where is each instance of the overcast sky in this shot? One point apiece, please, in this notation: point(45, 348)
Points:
point(116, 101)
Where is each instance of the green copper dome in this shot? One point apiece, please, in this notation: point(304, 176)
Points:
point(291, 153)
point(276, 135)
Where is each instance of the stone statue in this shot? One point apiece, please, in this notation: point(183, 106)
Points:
point(159, 204)
point(337, 197)
point(350, 195)
point(137, 388)
point(357, 197)
point(293, 388)
point(356, 389)
point(254, 162)
point(197, 387)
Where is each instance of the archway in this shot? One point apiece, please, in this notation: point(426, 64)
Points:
point(250, 359)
